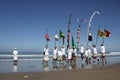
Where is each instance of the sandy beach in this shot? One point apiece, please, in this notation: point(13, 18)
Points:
point(100, 73)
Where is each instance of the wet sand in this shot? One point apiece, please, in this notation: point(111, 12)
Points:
point(99, 73)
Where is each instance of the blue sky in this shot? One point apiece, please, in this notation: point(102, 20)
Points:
point(23, 23)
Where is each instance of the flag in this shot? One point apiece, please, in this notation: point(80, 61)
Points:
point(62, 34)
point(107, 33)
point(73, 43)
point(68, 36)
point(56, 37)
point(101, 34)
point(47, 37)
point(78, 35)
point(90, 37)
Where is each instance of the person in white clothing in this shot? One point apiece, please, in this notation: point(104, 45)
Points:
point(59, 55)
point(89, 55)
point(74, 55)
point(74, 51)
point(69, 51)
point(46, 54)
point(63, 50)
point(86, 54)
point(95, 53)
point(59, 58)
point(102, 49)
point(55, 51)
point(82, 52)
point(15, 58)
point(63, 53)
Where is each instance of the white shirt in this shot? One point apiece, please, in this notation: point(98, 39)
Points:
point(82, 49)
point(89, 52)
point(69, 53)
point(15, 52)
point(63, 51)
point(102, 48)
point(59, 53)
point(74, 51)
point(55, 51)
point(94, 50)
point(86, 53)
point(46, 51)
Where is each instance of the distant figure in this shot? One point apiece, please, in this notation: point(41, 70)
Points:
point(46, 55)
point(63, 54)
point(69, 51)
point(89, 55)
point(74, 55)
point(59, 56)
point(86, 55)
point(82, 52)
point(102, 49)
point(15, 58)
point(55, 52)
point(95, 53)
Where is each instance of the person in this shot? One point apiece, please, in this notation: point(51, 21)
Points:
point(74, 55)
point(95, 54)
point(59, 56)
point(46, 54)
point(86, 55)
point(63, 53)
point(89, 55)
point(55, 51)
point(69, 55)
point(82, 52)
point(15, 58)
point(102, 49)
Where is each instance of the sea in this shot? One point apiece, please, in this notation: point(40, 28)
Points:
point(33, 62)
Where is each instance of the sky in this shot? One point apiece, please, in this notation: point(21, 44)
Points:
point(23, 23)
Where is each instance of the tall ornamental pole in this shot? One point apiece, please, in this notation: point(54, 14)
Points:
point(68, 35)
point(89, 36)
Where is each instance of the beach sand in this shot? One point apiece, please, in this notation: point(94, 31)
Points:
point(99, 73)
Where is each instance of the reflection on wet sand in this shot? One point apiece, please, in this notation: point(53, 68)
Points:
point(60, 67)
point(15, 68)
point(46, 68)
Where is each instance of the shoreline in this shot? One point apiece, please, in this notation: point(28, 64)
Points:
point(37, 66)
point(99, 73)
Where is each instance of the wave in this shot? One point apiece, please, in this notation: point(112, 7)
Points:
point(39, 56)
point(24, 55)
point(114, 53)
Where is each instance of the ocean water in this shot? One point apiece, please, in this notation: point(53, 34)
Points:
point(32, 62)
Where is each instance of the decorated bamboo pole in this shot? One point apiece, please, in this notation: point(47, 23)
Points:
point(78, 33)
point(68, 35)
point(89, 36)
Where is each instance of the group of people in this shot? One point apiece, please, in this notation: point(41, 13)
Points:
point(57, 55)
point(86, 54)
point(60, 55)
point(93, 53)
